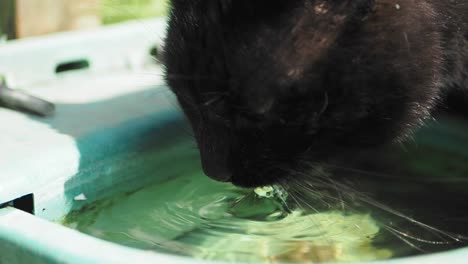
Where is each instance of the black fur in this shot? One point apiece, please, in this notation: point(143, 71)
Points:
point(266, 84)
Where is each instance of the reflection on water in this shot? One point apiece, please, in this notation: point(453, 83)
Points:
point(374, 217)
point(193, 215)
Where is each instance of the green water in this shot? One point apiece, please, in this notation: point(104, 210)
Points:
point(194, 216)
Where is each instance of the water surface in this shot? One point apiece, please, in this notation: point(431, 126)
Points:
point(410, 202)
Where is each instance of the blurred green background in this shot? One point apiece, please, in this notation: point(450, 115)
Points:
point(7, 18)
point(22, 18)
point(115, 11)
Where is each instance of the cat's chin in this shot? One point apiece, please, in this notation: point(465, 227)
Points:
point(254, 181)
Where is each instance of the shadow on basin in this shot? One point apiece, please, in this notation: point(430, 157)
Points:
point(124, 143)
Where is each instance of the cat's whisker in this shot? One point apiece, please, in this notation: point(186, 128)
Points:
point(174, 76)
point(405, 240)
point(299, 201)
point(418, 239)
point(310, 182)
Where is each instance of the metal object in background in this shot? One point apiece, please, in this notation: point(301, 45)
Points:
point(18, 100)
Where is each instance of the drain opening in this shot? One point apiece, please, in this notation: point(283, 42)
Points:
point(72, 66)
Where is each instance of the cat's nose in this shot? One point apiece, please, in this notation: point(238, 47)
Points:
point(216, 172)
point(215, 144)
point(215, 165)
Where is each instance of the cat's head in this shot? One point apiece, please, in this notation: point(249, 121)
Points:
point(267, 84)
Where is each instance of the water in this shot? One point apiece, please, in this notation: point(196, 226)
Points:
point(193, 215)
point(373, 218)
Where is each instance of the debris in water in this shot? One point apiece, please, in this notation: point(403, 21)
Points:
point(81, 197)
point(265, 192)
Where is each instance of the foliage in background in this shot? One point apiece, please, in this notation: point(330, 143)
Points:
point(7, 18)
point(111, 11)
point(115, 11)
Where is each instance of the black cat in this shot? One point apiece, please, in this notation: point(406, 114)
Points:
point(269, 84)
